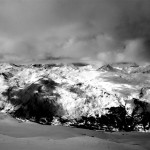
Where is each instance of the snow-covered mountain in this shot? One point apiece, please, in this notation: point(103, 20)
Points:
point(72, 91)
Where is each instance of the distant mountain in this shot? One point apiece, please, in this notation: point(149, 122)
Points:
point(141, 69)
point(125, 64)
point(107, 68)
point(126, 67)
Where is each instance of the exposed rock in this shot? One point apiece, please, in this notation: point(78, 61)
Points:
point(2, 105)
point(145, 93)
point(80, 64)
point(106, 68)
point(141, 69)
point(37, 65)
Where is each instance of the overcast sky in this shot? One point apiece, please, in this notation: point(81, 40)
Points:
point(103, 30)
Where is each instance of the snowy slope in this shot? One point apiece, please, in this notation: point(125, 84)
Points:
point(74, 90)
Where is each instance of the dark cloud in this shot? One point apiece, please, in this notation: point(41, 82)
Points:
point(114, 30)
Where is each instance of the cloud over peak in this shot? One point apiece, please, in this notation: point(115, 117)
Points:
point(97, 29)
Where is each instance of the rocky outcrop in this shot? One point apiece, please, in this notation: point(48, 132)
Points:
point(141, 69)
point(36, 101)
point(145, 93)
point(124, 67)
point(107, 68)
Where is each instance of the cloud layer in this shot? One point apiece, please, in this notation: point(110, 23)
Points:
point(106, 30)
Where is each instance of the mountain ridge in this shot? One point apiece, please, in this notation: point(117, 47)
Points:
point(71, 92)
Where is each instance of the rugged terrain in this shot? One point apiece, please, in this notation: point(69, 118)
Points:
point(111, 97)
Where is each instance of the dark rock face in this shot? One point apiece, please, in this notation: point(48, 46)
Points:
point(122, 67)
point(107, 68)
point(141, 69)
point(80, 64)
point(37, 65)
point(77, 90)
point(118, 119)
point(37, 101)
point(141, 113)
point(125, 64)
point(6, 75)
point(47, 66)
point(143, 91)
